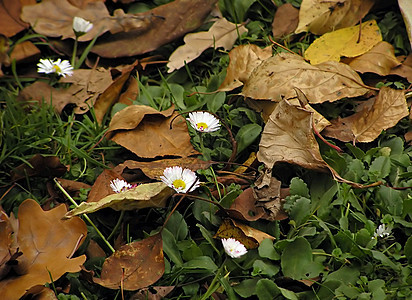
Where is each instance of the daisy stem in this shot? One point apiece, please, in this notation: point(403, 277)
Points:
point(74, 52)
point(202, 147)
point(214, 284)
point(84, 215)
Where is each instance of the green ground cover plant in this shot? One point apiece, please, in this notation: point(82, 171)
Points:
point(335, 227)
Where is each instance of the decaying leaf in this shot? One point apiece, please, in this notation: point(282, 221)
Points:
point(134, 266)
point(319, 16)
point(344, 42)
point(153, 293)
point(10, 22)
point(150, 133)
point(24, 52)
point(389, 107)
point(49, 166)
point(4, 49)
point(222, 34)
point(46, 243)
point(243, 60)
point(288, 137)
point(167, 23)
point(285, 21)
point(248, 236)
point(379, 60)
point(153, 194)
point(405, 69)
point(54, 18)
point(101, 187)
point(406, 9)
point(277, 76)
point(244, 207)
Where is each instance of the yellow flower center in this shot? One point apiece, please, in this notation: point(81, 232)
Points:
point(179, 183)
point(201, 126)
point(57, 68)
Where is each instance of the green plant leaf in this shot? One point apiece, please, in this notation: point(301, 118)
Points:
point(266, 250)
point(215, 101)
point(267, 289)
point(247, 135)
point(246, 288)
point(267, 268)
point(408, 249)
point(295, 258)
point(177, 226)
point(170, 247)
point(299, 187)
point(201, 262)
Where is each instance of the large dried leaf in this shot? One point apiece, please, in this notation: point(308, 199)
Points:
point(389, 107)
point(150, 133)
point(47, 243)
point(10, 23)
point(49, 166)
point(285, 21)
point(243, 60)
point(54, 18)
point(405, 69)
point(276, 78)
point(344, 42)
point(244, 207)
point(153, 194)
point(167, 23)
point(287, 137)
point(379, 60)
point(24, 52)
point(222, 34)
point(319, 16)
point(406, 9)
point(134, 266)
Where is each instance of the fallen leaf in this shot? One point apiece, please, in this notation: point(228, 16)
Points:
point(243, 60)
point(379, 60)
point(153, 293)
point(344, 42)
point(168, 22)
point(248, 236)
point(10, 22)
point(58, 21)
point(288, 137)
point(101, 187)
point(244, 207)
point(277, 76)
point(319, 16)
point(4, 50)
point(405, 69)
point(43, 166)
point(285, 21)
point(25, 52)
point(149, 133)
point(47, 244)
point(153, 194)
point(134, 266)
point(389, 107)
point(405, 7)
point(221, 34)
point(341, 129)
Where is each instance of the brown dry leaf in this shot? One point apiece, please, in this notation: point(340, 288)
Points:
point(47, 243)
point(244, 207)
point(405, 69)
point(134, 266)
point(389, 107)
point(248, 236)
point(25, 52)
point(285, 21)
point(159, 293)
point(101, 187)
point(340, 129)
point(243, 59)
point(344, 42)
point(405, 7)
point(10, 23)
point(40, 292)
point(154, 169)
point(42, 166)
point(167, 23)
point(288, 137)
point(379, 60)
point(54, 18)
point(277, 76)
point(148, 132)
point(222, 34)
point(145, 195)
point(319, 16)
point(4, 49)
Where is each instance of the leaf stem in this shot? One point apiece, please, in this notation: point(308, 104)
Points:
point(84, 215)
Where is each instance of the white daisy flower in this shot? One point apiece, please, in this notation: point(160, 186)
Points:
point(180, 180)
point(203, 121)
point(60, 67)
point(119, 185)
point(382, 231)
point(81, 26)
point(234, 248)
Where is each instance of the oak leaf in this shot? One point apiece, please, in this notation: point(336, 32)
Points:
point(134, 266)
point(153, 194)
point(348, 42)
point(150, 133)
point(276, 78)
point(46, 243)
point(389, 107)
point(319, 16)
point(379, 60)
point(222, 34)
point(242, 61)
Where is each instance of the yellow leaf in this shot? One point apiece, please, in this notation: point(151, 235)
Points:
point(344, 42)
